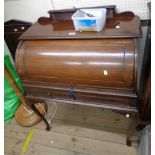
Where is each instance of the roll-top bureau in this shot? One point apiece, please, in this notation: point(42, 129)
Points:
point(88, 68)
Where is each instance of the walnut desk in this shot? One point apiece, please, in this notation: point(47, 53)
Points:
point(88, 68)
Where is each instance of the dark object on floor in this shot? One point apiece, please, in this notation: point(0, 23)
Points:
point(26, 117)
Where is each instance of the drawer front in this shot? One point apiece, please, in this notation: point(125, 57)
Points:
point(47, 92)
point(101, 63)
point(81, 95)
point(98, 98)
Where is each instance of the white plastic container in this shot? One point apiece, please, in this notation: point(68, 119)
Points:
point(83, 22)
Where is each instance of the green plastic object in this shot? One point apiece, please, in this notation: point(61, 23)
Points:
point(11, 100)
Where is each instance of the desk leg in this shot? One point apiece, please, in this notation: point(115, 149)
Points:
point(132, 134)
point(40, 115)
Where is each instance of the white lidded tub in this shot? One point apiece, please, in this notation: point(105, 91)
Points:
point(84, 22)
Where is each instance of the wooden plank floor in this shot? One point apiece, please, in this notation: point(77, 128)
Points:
point(76, 130)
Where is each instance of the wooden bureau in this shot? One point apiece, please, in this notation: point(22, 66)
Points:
point(87, 68)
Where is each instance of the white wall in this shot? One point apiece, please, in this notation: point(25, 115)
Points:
point(31, 10)
point(27, 10)
point(139, 7)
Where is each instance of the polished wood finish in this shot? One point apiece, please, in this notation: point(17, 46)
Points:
point(65, 29)
point(12, 30)
point(87, 68)
point(97, 63)
point(76, 94)
point(80, 70)
point(46, 28)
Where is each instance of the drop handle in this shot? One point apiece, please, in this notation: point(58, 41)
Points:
point(49, 94)
point(72, 93)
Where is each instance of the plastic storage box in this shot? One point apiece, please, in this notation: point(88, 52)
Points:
point(84, 22)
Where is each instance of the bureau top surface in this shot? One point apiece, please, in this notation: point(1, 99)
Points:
point(65, 30)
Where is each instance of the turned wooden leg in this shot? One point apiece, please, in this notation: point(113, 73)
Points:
point(130, 133)
point(41, 116)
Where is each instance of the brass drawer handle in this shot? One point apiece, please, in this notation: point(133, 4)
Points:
point(49, 94)
point(72, 93)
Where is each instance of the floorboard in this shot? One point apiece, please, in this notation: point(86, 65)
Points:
point(72, 135)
